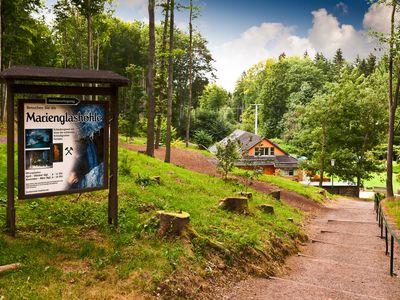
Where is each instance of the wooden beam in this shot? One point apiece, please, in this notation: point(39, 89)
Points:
point(113, 195)
point(58, 89)
point(10, 159)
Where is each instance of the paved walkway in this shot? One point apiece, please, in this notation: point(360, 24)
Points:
point(345, 259)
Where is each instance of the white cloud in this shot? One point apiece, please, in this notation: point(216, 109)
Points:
point(271, 39)
point(327, 35)
point(378, 18)
point(254, 45)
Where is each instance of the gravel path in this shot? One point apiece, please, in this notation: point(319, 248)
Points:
point(345, 259)
point(197, 162)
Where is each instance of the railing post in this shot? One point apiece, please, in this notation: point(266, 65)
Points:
point(391, 255)
point(379, 216)
point(386, 241)
point(381, 225)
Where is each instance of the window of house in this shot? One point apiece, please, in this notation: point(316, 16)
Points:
point(271, 151)
point(289, 172)
point(261, 151)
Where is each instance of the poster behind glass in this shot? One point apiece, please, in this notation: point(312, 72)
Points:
point(62, 148)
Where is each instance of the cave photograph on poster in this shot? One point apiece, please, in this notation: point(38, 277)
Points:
point(64, 148)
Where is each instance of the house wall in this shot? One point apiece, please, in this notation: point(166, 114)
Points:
point(265, 143)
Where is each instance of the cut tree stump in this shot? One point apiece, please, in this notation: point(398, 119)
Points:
point(269, 209)
point(156, 179)
point(276, 195)
point(248, 195)
point(10, 267)
point(172, 223)
point(234, 204)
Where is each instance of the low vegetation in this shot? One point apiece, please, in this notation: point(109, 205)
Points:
point(314, 193)
point(68, 249)
point(393, 209)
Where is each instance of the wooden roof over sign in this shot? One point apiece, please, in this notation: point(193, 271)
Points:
point(31, 73)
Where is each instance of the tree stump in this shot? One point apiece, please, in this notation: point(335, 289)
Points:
point(276, 195)
point(234, 204)
point(248, 195)
point(269, 209)
point(290, 220)
point(172, 223)
point(156, 179)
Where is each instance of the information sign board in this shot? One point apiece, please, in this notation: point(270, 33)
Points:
point(62, 148)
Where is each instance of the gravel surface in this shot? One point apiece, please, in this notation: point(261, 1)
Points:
point(345, 259)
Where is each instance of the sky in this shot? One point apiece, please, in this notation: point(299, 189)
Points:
point(243, 33)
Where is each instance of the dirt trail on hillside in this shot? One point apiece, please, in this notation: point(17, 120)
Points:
point(197, 162)
point(344, 260)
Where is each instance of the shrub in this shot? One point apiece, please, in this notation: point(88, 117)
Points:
point(202, 138)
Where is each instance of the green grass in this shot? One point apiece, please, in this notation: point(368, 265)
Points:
point(311, 192)
point(393, 209)
point(379, 180)
point(69, 251)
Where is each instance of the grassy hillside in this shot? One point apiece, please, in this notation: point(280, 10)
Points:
point(393, 209)
point(68, 249)
point(311, 192)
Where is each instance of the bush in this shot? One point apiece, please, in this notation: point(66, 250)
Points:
point(202, 138)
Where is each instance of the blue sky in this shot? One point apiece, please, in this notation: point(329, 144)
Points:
point(242, 33)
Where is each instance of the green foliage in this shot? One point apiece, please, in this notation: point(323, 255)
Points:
point(227, 154)
point(290, 82)
point(213, 123)
point(355, 126)
point(202, 138)
point(143, 180)
point(213, 98)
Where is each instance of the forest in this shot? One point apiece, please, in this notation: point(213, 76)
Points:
point(318, 108)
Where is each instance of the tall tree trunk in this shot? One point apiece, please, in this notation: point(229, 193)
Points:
point(392, 109)
point(190, 73)
point(158, 131)
point(98, 52)
point(163, 73)
point(358, 184)
point(97, 59)
point(65, 48)
point(90, 37)
point(150, 82)
point(170, 85)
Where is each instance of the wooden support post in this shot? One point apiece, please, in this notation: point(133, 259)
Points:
point(10, 159)
point(113, 195)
